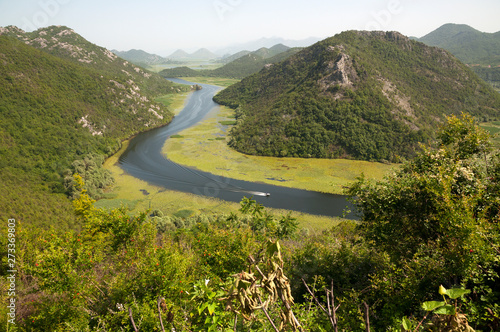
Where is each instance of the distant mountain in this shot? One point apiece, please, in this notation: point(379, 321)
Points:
point(266, 53)
point(263, 52)
point(240, 67)
point(140, 57)
point(179, 54)
point(466, 43)
point(268, 43)
point(181, 72)
point(363, 95)
point(201, 54)
point(446, 32)
point(252, 62)
point(229, 58)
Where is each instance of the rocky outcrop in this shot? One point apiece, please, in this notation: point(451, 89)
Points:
point(339, 72)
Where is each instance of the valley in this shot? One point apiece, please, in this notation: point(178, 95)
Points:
point(143, 159)
point(204, 147)
point(230, 196)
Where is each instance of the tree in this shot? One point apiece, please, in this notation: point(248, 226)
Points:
point(435, 216)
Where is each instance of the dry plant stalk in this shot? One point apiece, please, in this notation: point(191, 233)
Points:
point(256, 290)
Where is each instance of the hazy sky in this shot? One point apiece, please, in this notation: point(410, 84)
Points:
point(162, 26)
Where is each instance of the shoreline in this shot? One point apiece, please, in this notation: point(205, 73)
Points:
point(204, 147)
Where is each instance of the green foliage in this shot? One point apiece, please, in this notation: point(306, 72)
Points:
point(342, 262)
point(464, 137)
point(209, 314)
point(437, 219)
point(27, 199)
point(60, 115)
point(446, 314)
point(80, 280)
point(342, 97)
point(95, 177)
point(262, 222)
point(469, 45)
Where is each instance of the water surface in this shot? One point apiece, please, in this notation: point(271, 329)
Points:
point(143, 159)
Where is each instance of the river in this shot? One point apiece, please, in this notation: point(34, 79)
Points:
point(143, 159)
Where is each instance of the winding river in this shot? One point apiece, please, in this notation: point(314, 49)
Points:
point(143, 159)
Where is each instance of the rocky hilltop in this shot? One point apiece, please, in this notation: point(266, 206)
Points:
point(359, 94)
point(65, 103)
point(127, 88)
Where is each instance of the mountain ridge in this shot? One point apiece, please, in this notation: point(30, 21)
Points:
point(363, 95)
point(267, 42)
point(242, 64)
point(200, 54)
point(58, 113)
point(470, 45)
point(140, 57)
point(64, 42)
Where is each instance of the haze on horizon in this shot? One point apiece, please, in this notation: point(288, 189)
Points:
point(161, 27)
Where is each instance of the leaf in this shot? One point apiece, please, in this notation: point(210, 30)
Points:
point(407, 324)
point(243, 284)
point(211, 308)
point(456, 292)
point(445, 310)
point(273, 248)
point(202, 308)
point(431, 305)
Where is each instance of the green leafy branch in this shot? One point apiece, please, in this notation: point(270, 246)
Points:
point(447, 317)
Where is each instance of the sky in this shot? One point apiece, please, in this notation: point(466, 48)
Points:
point(163, 26)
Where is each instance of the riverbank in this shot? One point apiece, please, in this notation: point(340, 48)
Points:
point(204, 147)
point(139, 196)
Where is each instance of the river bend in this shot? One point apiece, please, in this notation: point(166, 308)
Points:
point(144, 159)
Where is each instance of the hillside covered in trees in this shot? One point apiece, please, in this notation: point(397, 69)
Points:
point(63, 104)
point(363, 95)
point(480, 50)
point(466, 43)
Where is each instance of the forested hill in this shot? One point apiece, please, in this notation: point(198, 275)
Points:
point(364, 95)
point(57, 110)
point(466, 43)
point(141, 57)
point(480, 50)
point(65, 43)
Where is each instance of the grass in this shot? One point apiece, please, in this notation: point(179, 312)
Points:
point(494, 129)
point(140, 196)
point(204, 147)
point(228, 123)
point(174, 101)
point(219, 81)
